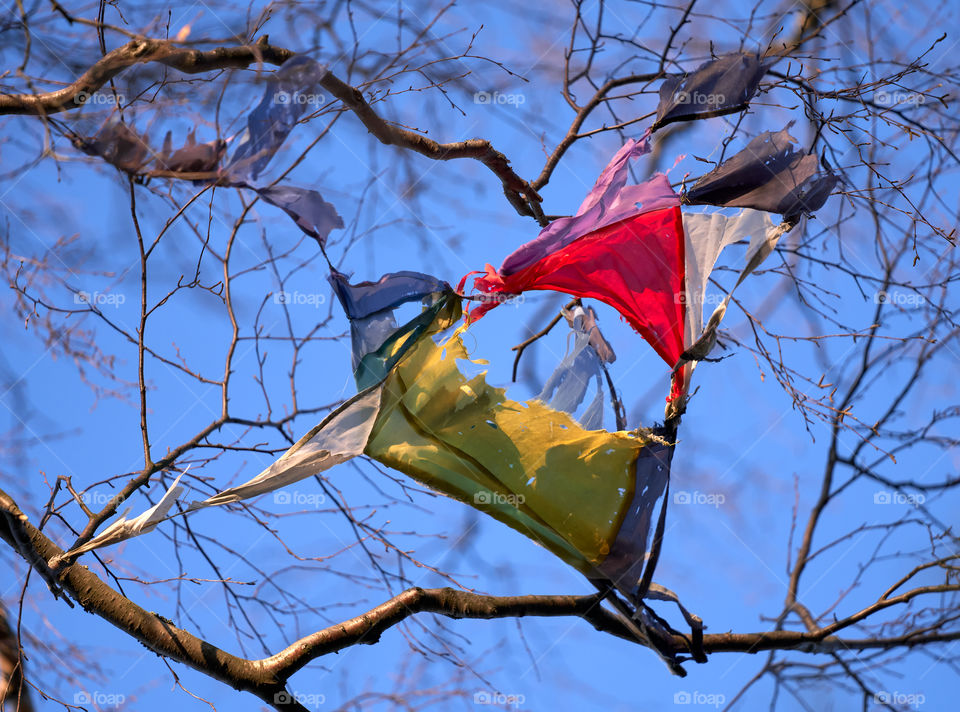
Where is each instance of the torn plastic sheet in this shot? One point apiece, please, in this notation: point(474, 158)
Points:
point(567, 386)
point(118, 145)
point(312, 214)
point(390, 291)
point(720, 86)
point(713, 232)
point(285, 100)
point(705, 235)
point(525, 463)
point(193, 157)
point(768, 174)
point(369, 307)
point(588, 319)
point(124, 528)
point(341, 436)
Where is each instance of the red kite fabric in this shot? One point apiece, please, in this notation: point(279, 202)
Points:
point(635, 265)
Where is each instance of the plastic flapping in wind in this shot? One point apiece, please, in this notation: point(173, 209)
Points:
point(720, 86)
point(285, 99)
point(118, 145)
point(567, 386)
point(589, 496)
point(312, 214)
point(341, 436)
point(284, 102)
point(373, 328)
point(768, 174)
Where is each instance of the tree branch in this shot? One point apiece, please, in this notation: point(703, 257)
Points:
point(519, 193)
point(189, 61)
point(267, 677)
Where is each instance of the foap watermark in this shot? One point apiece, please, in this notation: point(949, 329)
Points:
point(99, 698)
point(699, 98)
point(884, 97)
point(903, 299)
point(699, 698)
point(305, 699)
point(497, 498)
point(495, 97)
point(485, 697)
point(712, 299)
point(502, 298)
point(84, 98)
point(299, 98)
point(910, 699)
point(315, 300)
point(95, 499)
point(894, 497)
point(714, 499)
point(299, 499)
point(99, 299)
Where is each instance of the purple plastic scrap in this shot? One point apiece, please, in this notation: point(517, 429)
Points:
point(720, 86)
point(286, 98)
point(390, 291)
point(766, 175)
point(369, 305)
point(314, 215)
point(287, 95)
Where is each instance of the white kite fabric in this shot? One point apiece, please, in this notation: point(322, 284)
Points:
point(705, 236)
point(342, 435)
point(125, 528)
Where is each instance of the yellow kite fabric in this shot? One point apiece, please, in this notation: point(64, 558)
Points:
point(524, 463)
point(594, 498)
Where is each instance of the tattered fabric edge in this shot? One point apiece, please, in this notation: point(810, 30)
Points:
point(312, 460)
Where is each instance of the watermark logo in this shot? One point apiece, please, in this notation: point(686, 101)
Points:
point(699, 98)
point(304, 699)
point(712, 299)
point(497, 498)
point(714, 499)
point(298, 499)
point(909, 699)
point(95, 499)
point(502, 298)
point(484, 697)
point(902, 299)
point(98, 698)
point(299, 98)
point(699, 698)
point(884, 97)
point(894, 497)
point(300, 299)
point(84, 98)
point(495, 97)
point(99, 299)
